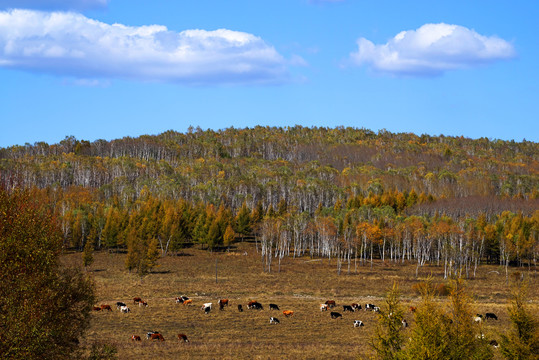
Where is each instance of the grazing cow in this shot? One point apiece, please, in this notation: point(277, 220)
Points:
point(150, 333)
point(376, 309)
point(135, 338)
point(335, 315)
point(143, 303)
point(274, 320)
point(119, 304)
point(404, 323)
point(96, 308)
point(370, 307)
point(240, 308)
point(478, 319)
point(347, 308)
point(136, 300)
point(125, 309)
point(106, 307)
point(223, 302)
point(157, 337)
point(358, 323)
point(412, 309)
point(207, 308)
point(187, 302)
point(288, 313)
point(323, 307)
point(356, 306)
point(331, 303)
point(274, 307)
point(491, 316)
point(255, 305)
point(494, 343)
point(183, 337)
point(181, 299)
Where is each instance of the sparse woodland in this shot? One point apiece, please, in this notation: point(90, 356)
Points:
point(344, 194)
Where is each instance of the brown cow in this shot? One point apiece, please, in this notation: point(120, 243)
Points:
point(106, 307)
point(157, 337)
point(135, 338)
point(183, 337)
point(288, 313)
point(222, 303)
point(188, 302)
point(331, 303)
point(96, 308)
point(412, 309)
point(142, 303)
point(136, 300)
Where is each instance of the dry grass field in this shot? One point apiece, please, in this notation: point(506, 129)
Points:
point(301, 286)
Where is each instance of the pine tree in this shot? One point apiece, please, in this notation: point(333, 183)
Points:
point(388, 339)
point(522, 343)
point(88, 254)
point(242, 221)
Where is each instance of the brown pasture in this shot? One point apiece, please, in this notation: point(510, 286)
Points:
point(301, 285)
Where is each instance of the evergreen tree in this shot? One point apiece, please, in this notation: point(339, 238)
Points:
point(388, 339)
point(242, 221)
point(88, 254)
point(522, 343)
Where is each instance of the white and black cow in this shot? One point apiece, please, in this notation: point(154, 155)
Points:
point(119, 304)
point(274, 320)
point(125, 309)
point(370, 307)
point(207, 308)
point(347, 308)
point(358, 323)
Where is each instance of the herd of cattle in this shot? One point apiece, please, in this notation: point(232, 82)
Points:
point(255, 305)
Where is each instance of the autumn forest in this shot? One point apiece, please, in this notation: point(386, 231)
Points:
point(347, 195)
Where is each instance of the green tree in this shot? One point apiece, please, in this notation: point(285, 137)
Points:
point(388, 339)
point(45, 307)
point(88, 254)
point(242, 221)
point(522, 342)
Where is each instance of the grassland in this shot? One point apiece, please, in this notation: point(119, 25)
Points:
point(301, 285)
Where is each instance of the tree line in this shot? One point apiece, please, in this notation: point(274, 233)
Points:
point(349, 195)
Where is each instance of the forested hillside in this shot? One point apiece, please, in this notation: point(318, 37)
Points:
point(344, 193)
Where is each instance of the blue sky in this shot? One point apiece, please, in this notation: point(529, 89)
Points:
point(105, 69)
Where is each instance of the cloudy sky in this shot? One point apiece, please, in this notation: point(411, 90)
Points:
point(105, 69)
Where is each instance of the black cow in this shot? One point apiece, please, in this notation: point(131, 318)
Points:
point(256, 305)
point(335, 315)
point(491, 316)
point(347, 308)
point(274, 307)
point(240, 308)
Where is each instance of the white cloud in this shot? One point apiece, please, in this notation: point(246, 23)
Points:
point(70, 44)
point(431, 50)
point(53, 4)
